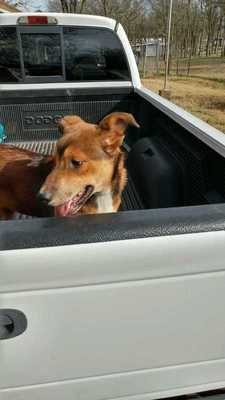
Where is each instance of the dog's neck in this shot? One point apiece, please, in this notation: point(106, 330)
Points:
point(109, 201)
point(104, 202)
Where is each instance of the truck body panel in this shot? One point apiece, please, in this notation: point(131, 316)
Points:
point(112, 329)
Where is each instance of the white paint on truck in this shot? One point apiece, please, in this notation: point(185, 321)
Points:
point(138, 323)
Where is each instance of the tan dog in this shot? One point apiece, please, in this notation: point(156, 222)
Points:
point(86, 175)
point(89, 174)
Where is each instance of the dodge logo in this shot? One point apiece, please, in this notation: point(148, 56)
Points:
point(41, 120)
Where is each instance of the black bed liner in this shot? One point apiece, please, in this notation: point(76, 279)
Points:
point(130, 199)
point(218, 394)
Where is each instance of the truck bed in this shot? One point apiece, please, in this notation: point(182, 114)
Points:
point(167, 166)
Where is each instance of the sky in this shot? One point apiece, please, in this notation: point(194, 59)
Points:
point(36, 5)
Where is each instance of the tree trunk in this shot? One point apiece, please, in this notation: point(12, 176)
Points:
point(177, 66)
point(104, 5)
point(82, 5)
point(218, 35)
point(72, 6)
point(64, 5)
point(208, 45)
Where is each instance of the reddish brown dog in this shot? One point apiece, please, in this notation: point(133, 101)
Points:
point(86, 175)
point(21, 174)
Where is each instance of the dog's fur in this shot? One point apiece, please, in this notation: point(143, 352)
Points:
point(21, 174)
point(87, 155)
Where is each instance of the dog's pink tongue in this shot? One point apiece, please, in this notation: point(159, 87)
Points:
point(63, 210)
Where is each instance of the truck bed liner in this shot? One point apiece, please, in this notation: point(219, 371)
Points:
point(130, 199)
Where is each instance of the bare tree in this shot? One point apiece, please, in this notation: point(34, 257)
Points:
point(198, 26)
point(20, 4)
point(131, 13)
point(67, 6)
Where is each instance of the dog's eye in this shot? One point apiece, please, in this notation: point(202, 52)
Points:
point(75, 163)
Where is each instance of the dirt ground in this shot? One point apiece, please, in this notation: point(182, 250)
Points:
point(202, 93)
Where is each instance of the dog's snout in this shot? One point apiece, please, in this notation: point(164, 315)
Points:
point(44, 196)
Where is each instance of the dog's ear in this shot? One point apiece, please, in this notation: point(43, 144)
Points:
point(66, 123)
point(113, 128)
point(39, 160)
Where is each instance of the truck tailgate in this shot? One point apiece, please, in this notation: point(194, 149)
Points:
point(139, 319)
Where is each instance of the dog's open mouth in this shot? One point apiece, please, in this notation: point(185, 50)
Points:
point(73, 205)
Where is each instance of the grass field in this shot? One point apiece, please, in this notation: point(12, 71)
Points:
point(202, 93)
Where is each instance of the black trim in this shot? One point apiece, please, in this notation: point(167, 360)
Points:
point(23, 75)
point(116, 26)
point(12, 323)
point(40, 29)
point(22, 95)
point(48, 232)
point(63, 54)
point(44, 79)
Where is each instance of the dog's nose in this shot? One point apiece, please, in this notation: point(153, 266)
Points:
point(44, 196)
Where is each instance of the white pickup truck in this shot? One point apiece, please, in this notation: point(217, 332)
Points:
point(129, 305)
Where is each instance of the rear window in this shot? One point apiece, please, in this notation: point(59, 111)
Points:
point(41, 54)
point(37, 54)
